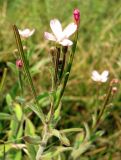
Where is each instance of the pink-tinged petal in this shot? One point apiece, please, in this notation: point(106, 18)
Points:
point(104, 79)
point(104, 76)
point(95, 76)
point(26, 32)
point(105, 73)
point(70, 29)
point(49, 36)
point(56, 28)
point(66, 42)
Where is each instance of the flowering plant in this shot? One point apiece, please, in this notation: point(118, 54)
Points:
point(41, 144)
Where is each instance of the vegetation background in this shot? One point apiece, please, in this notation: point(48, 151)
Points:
point(99, 48)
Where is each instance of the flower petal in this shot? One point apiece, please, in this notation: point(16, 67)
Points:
point(70, 29)
point(56, 28)
point(66, 42)
point(104, 76)
point(26, 32)
point(105, 73)
point(49, 36)
point(31, 32)
point(104, 79)
point(95, 76)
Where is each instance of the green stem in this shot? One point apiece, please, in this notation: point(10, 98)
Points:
point(56, 65)
point(26, 68)
point(43, 143)
point(21, 82)
point(63, 65)
point(103, 107)
point(67, 70)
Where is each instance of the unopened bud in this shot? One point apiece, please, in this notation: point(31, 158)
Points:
point(114, 90)
point(114, 81)
point(19, 63)
point(76, 15)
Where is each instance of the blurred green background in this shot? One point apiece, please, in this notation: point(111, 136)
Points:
point(99, 47)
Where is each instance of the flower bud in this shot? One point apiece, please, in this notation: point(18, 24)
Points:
point(114, 81)
point(114, 90)
point(19, 63)
point(76, 15)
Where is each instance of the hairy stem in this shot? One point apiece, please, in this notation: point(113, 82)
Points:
point(43, 143)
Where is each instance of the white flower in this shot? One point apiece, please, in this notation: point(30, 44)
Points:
point(26, 32)
point(100, 77)
point(58, 35)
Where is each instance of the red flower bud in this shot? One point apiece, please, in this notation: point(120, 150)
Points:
point(19, 63)
point(76, 15)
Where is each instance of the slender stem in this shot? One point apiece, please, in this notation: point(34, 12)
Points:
point(43, 143)
point(21, 82)
point(56, 65)
point(103, 107)
point(26, 68)
point(67, 70)
point(63, 65)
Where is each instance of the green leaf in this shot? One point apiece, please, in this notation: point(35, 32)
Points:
point(71, 130)
point(18, 111)
point(7, 148)
point(87, 137)
point(57, 114)
point(29, 129)
point(16, 130)
point(43, 99)
point(2, 82)
point(5, 116)
point(18, 155)
point(35, 109)
point(55, 151)
point(43, 95)
point(76, 153)
point(9, 99)
point(36, 68)
point(13, 67)
point(64, 140)
point(31, 151)
point(32, 140)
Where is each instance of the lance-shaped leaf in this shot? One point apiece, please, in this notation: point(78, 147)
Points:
point(5, 116)
point(32, 140)
point(82, 148)
point(64, 140)
point(55, 151)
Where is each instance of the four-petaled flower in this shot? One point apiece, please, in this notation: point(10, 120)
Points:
point(26, 32)
point(58, 35)
point(103, 77)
